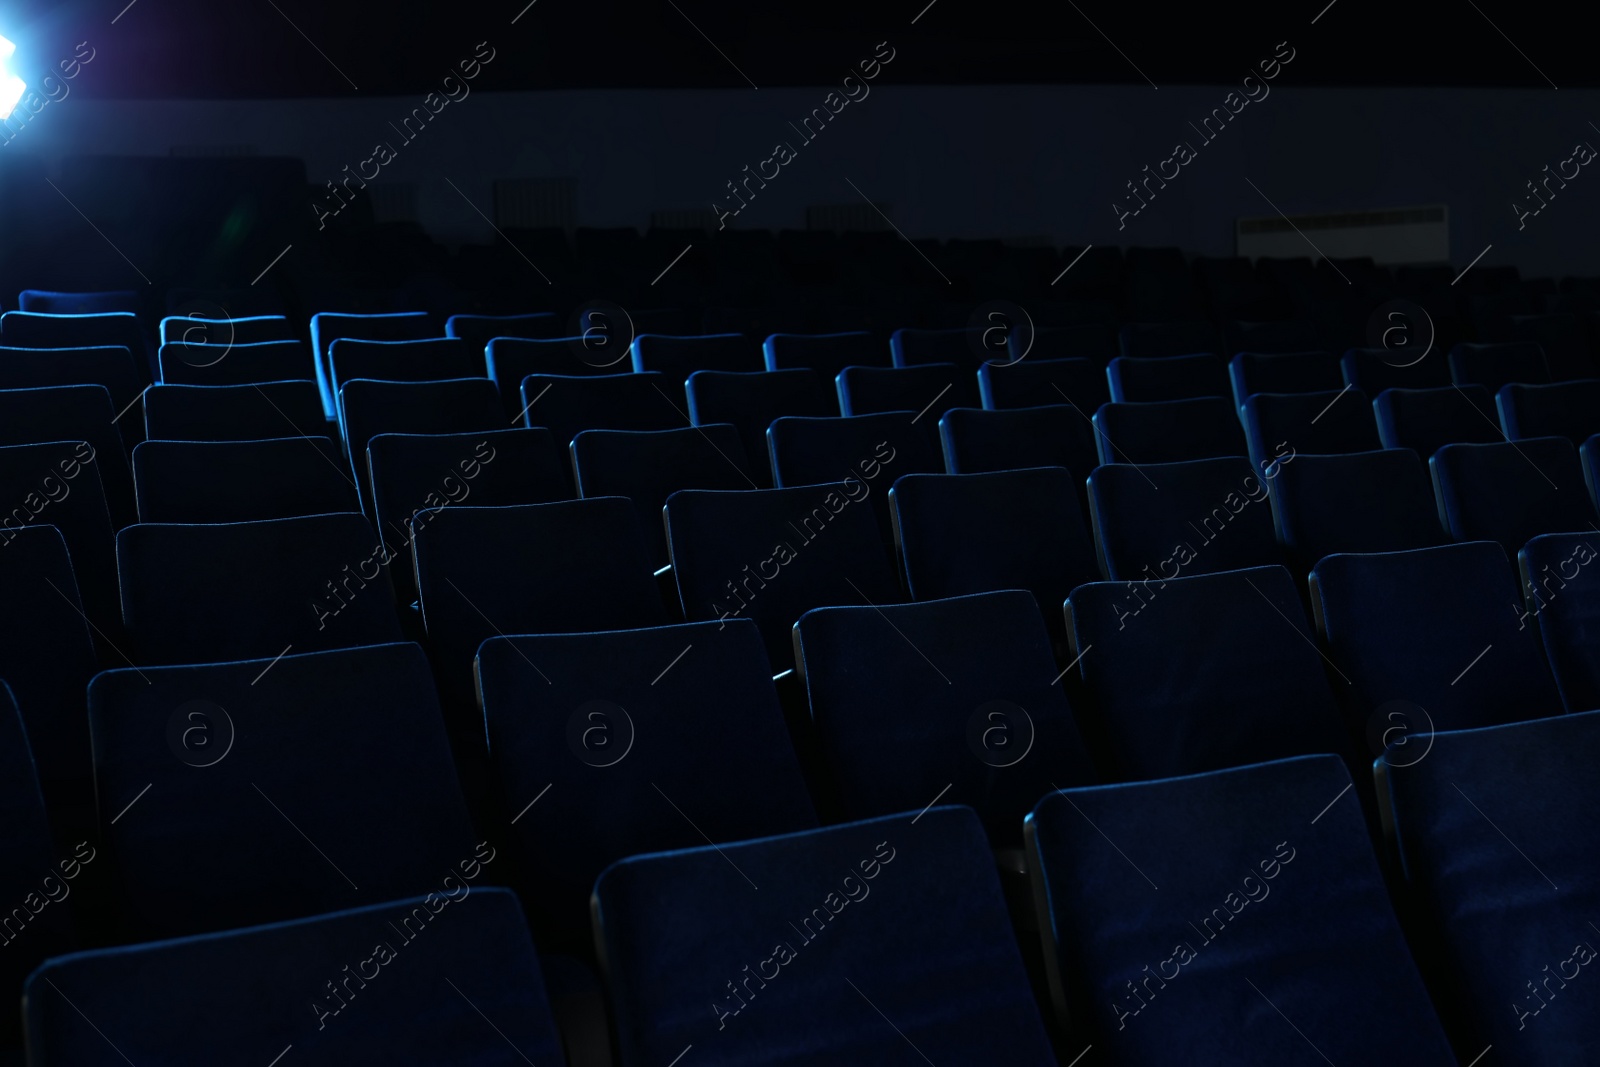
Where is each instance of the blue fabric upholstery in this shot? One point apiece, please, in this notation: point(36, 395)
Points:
point(1056, 435)
point(1168, 431)
point(204, 594)
point(252, 412)
point(1328, 423)
point(472, 993)
point(368, 408)
point(819, 544)
point(569, 405)
point(1288, 372)
point(1494, 365)
point(1094, 341)
point(961, 692)
point(825, 353)
point(1568, 353)
point(246, 763)
point(112, 368)
point(1147, 340)
point(1511, 491)
point(240, 481)
point(479, 330)
point(1159, 520)
point(1135, 380)
point(649, 466)
point(1425, 420)
point(1499, 855)
point(641, 736)
point(752, 401)
point(817, 451)
point(1403, 628)
point(431, 360)
point(1562, 592)
point(678, 357)
point(1204, 672)
point(27, 329)
point(328, 326)
point(974, 533)
point(98, 303)
point(36, 884)
point(198, 331)
point(240, 364)
point(962, 347)
point(931, 387)
point(686, 942)
point(1372, 370)
point(1031, 383)
point(73, 413)
point(1379, 501)
point(1566, 409)
point(511, 359)
point(1318, 970)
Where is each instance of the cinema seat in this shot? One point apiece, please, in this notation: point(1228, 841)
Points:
point(1568, 353)
point(1147, 340)
point(569, 405)
point(109, 367)
point(1093, 341)
point(1168, 431)
point(1271, 860)
point(203, 332)
point(73, 413)
point(104, 302)
point(29, 329)
point(1562, 593)
point(752, 401)
point(1034, 382)
point(1494, 365)
point(434, 359)
point(1329, 423)
point(1425, 420)
point(1057, 435)
point(1288, 372)
point(938, 971)
point(1379, 501)
point(369, 408)
point(870, 449)
point(511, 359)
point(328, 327)
point(1565, 409)
point(240, 364)
point(240, 481)
point(1372, 370)
point(1511, 491)
point(254, 412)
point(479, 330)
point(678, 357)
point(927, 389)
point(825, 353)
point(962, 347)
point(1167, 378)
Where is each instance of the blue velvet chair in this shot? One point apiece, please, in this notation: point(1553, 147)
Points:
point(240, 481)
point(1494, 365)
point(1147, 340)
point(1283, 372)
point(254, 412)
point(1378, 501)
point(1134, 380)
point(964, 692)
point(1372, 370)
point(1168, 431)
point(568, 405)
point(1325, 423)
point(1499, 855)
point(752, 401)
point(927, 389)
point(1565, 409)
point(511, 359)
point(1511, 491)
point(1568, 352)
point(825, 353)
point(649, 466)
point(1431, 628)
point(1033, 382)
point(694, 956)
point(200, 331)
point(328, 327)
point(962, 347)
point(1136, 884)
point(678, 357)
point(103, 302)
point(109, 367)
point(1159, 520)
point(1093, 341)
point(1561, 592)
point(433, 359)
point(641, 737)
point(1425, 420)
point(470, 993)
point(479, 330)
point(771, 555)
point(73, 413)
point(209, 593)
point(881, 446)
point(30, 329)
point(259, 790)
point(1204, 672)
point(238, 364)
point(368, 408)
point(976, 441)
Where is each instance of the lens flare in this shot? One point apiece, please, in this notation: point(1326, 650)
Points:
point(11, 86)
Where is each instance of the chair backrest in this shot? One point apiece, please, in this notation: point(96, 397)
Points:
point(1135, 882)
point(94, 303)
point(107, 366)
point(1156, 521)
point(1203, 672)
point(204, 332)
point(1327, 423)
point(675, 928)
point(964, 692)
point(1511, 491)
point(642, 734)
point(329, 326)
point(771, 555)
point(218, 775)
point(27, 329)
point(1562, 592)
point(1283, 372)
point(479, 330)
point(1146, 340)
point(368, 408)
point(962, 347)
point(1503, 880)
point(1093, 341)
point(649, 466)
point(1372, 370)
point(752, 401)
point(240, 364)
point(1033, 382)
point(1054, 435)
point(1565, 409)
point(928, 389)
point(511, 359)
point(433, 359)
point(1438, 629)
point(1271, 337)
point(73, 413)
point(199, 998)
point(815, 451)
point(1425, 420)
point(1134, 380)
point(254, 412)
point(210, 593)
point(568, 405)
point(678, 357)
point(825, 353)
point(1568, 351)
point(1168, 431)
point(240, 481)
point(1379, 501)
point(1494, 365)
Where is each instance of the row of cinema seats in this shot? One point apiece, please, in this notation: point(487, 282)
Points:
point(257, 656)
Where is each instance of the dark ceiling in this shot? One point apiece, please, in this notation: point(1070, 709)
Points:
point(284, 48)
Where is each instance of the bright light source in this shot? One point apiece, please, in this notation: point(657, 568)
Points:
point(11, 86)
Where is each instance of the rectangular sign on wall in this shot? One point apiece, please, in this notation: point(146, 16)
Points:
point(1397, 236)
